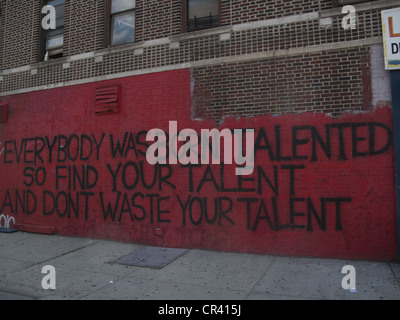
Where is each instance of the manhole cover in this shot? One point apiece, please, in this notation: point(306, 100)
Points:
point(151, 257)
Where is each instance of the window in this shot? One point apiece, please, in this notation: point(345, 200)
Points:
point(54, 38)
point(122, 22)
point(202, 14)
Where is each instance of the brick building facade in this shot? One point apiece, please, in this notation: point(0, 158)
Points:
point(248, 64)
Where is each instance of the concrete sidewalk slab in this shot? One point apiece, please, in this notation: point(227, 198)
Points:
point(85, 269)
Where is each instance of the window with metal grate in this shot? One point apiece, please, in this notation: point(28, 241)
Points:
point(3, 112)
point(107, 100)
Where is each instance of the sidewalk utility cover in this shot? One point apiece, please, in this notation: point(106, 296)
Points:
point(151, 257)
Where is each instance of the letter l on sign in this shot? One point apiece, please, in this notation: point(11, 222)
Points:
point(391, 30)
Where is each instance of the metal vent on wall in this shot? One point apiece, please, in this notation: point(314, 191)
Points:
point(3, 112)
point(108, 100)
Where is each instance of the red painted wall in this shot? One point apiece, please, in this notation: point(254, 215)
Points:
point(321, 186)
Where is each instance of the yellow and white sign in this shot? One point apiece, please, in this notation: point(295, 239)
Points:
point(391, 38)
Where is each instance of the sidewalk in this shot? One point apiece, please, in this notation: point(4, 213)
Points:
point(86, 269)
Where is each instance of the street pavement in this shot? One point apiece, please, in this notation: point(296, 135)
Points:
point(89, 269)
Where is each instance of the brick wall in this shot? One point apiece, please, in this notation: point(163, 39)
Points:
point(84, 26)
point(158, 19)
point(237, 11)
point(19, 33)
point(328, 82)
point(320, 187)
point(271, 76)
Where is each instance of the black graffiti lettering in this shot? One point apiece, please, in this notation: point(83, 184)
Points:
point(198, 209)
point(7, 202)
point(360, 142)
point(141, 208)
point(110, 210)
point(122, 204)
point(356, 139)
point(125, 148)
point(274, 224)
point(293, 214)
point(164, 179)
point(131, 146)
point(85, 140)
point(20, 201)
point(298, 142)
point(7, 151)
point(292, 169)
point(71, 155)
point(277, 224)
point(114, 175)
point(61, 205)
point(312, 212)
point(338, 202)
point(241, 181)
point(262, 143)
point(48, 195)
point(261, 175)
point(325, 145)
point(262, 214)
point(190, 181)
point(273, 207)
point(98, 144)
point(72, 148)
point(248, 202)
point(159, 211)
point(91, 177)
point(51, 147)
point(153, 178)
point(86, 179)
point(33, 175)
point(209, 220)
point(208, 176)
point(372, 134)
point(29, 173)
point(151, 197)
point(223, 213)
point(141, 141)
point(261, 178)
point(86, 196)
point(29, 199)
point(162, 211)
point(24, 201)
point(222, 180)
point(258, 210)
point(342, 150)
point(118, 147)
point(192, 211)
point(125, 207)
point(38, 150)
point(19, 154)
point(62, 148)
point(135, 176)
point(66, 203)
point(183, 207)
point(29, 153)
